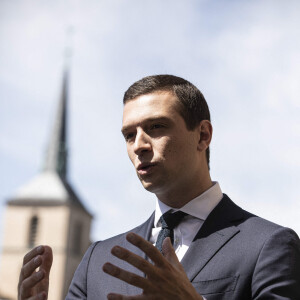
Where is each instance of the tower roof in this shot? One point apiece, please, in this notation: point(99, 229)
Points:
point(56, 156)
point(50, 187)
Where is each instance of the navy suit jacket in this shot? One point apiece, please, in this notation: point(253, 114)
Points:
point(235, 255)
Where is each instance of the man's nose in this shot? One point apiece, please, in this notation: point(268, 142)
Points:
point(142, 142)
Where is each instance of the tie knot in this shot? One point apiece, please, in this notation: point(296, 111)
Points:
point(171, 220)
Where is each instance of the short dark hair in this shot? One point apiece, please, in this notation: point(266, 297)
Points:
point(192, 105)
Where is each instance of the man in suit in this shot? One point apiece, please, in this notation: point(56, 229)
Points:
point(219, 250)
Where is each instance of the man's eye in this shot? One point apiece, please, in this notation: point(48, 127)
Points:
point(156, 126)
point(129, 136)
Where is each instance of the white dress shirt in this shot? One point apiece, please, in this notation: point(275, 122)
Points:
point(197, 209)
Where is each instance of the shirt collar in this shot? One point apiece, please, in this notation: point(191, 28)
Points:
point(200, 207)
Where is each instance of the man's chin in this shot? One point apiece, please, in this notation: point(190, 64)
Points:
point(147, 186)
point(151, 186)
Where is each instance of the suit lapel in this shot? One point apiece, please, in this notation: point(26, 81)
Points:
point(144, 231)
point(218, 229)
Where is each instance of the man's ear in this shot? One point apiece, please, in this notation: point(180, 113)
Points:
point(205, 134)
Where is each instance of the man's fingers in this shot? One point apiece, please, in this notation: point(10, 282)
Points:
point(30, 267)
point(126, 276)
point(40, 257)
point(47, 259)
point(151, 251)
point(31, 261)
point(133, 259)
point(32, 253)
point(34, 285)
point(27, 284)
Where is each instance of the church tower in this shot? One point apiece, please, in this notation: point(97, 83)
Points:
point(46, 211)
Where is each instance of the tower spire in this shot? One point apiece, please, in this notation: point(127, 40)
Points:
point(56, 155)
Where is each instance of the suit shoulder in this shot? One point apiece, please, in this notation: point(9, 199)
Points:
point(266, 229)
point(120, 239)
point(252, 224)
point(261, 225)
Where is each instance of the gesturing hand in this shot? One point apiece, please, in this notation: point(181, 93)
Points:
point(165, 278)
point(33, 283)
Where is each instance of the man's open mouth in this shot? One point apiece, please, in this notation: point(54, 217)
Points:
point(143, 167)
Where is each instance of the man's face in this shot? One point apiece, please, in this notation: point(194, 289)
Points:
point(162, 150)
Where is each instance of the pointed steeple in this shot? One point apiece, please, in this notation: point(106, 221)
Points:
point(56, 159)
point(51, 187)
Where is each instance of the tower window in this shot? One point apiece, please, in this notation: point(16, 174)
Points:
point(77, 240)
point(33, 227)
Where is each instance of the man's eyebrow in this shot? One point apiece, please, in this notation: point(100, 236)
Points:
point(124, 129)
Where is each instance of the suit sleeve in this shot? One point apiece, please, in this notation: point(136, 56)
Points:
point(78, 287)
point(277, 271)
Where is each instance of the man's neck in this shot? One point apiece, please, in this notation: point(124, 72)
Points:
point(178, 198)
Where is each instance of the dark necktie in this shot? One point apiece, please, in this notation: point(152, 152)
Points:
point(168, 222)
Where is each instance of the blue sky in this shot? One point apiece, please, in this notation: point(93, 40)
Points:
point(243, 55)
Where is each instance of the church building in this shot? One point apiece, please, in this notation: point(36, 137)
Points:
point(46, 211)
